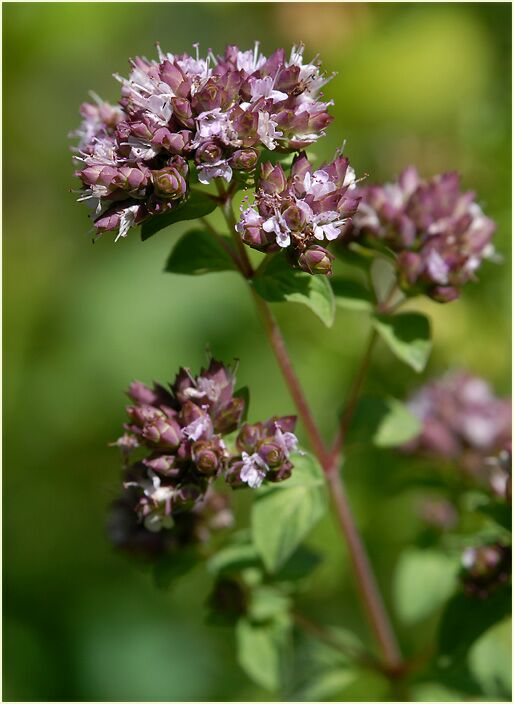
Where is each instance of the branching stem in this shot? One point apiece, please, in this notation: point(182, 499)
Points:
point(329, 459)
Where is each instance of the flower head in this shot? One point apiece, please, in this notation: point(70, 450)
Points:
point(439, 234)
point(179, 434)
point(462, 420)
point(213, 111)
point(297, 212)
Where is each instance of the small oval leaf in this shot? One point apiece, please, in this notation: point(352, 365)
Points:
point(284, 513)
point(407, 335)
point(351, 294)
point(198, 205)
point(199, 252)
point(278, 282)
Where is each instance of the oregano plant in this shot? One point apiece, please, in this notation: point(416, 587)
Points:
point(192, 135)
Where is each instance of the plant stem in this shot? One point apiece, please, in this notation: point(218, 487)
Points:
point(279, 348)
point(228, 214)
point(367, 587)
point(368, 590)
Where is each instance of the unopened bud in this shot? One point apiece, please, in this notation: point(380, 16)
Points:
point(182, 111)
point(444, 294)
point(316, 260)
point(248, 437)
point(169, 183)
point(244, 159)
point(208, 153)
point(272, 178)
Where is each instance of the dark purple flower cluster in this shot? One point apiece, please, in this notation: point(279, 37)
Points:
point(298, 212)
point(195, 527)
point(438, 233)
point(462, 420)
point(216, 111)
point(485, 568)
point(183, 432)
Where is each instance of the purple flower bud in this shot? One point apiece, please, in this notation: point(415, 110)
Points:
point(169, 183)
point(144, 414)
point(272, 178)
point(210, 97)
point(228, 418)
point(139, 129)
point(99, 174)
point(295, 218)
point(208, 153)
point(286, 424)
point(173, 76)
point(244, 159)
point(173, 142)
point(245, 124)
point(190, 412)
point(287, 80)
point(163, 464)
point(131, 179)
point(272, 454)
point(249, 437)
point(232, 475)
point(141, 393)
point(316, 260)
point(299, 169)
point(208, 455)
point(108, 222)
point(162, 432)
point(444, 294)
point(280, 473)
point(182, 112)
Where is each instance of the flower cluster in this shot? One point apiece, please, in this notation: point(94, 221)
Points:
point(461, 420)
point(485, 568)
point(438, 233)
point(298, 212)
point(193, 527)
point(183, 431)
point(215, 112)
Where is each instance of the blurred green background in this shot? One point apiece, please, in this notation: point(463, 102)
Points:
point(422, 83)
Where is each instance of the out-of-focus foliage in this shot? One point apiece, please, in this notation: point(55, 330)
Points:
point(424, 83)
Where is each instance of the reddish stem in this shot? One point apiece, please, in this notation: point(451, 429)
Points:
point(370, 596)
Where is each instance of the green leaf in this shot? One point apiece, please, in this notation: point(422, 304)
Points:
point(233, 558)
point(284, 513)
point(275, 157)
point(423, 581)
point(328, 685)
point(267, 603)
point(262, 650)
point(434, 692)
point(397, 426)
point(300, 565)
point(490, 660)
point(386, 422)
point(466, 618)
point(407, 335)
point(500, 513)
point(168, 569)
point(351, 295)
point(198, 205)
point(278, 282)
point(198, 252)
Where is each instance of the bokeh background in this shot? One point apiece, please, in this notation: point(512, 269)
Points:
point(422, 83)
